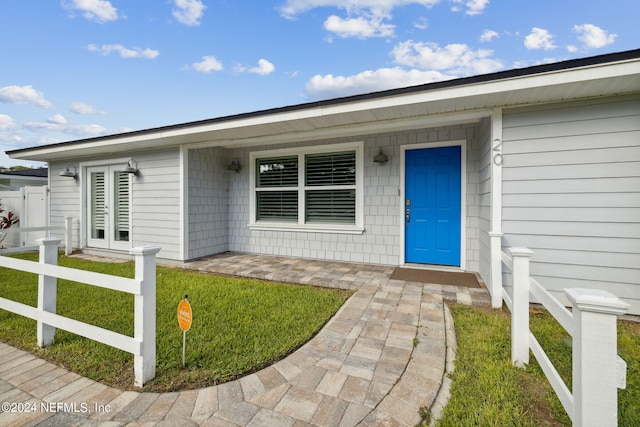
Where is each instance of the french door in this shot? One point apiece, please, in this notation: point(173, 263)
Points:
point(108, 208)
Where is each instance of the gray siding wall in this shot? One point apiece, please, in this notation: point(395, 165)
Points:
point(156, 202)
point(155, 210)
point(380, 243)
point(571, 190)
point(64, 200)
point(208, 201)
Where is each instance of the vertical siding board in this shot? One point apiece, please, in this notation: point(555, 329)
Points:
point(574, 197)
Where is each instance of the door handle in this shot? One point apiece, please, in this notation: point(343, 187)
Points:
point(407, 215)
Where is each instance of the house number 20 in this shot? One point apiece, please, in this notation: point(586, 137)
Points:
point(497, 157)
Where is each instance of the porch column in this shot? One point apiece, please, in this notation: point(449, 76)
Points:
point(496, 209)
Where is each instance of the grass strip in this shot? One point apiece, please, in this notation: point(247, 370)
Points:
point(239, 325)
point(488, 391)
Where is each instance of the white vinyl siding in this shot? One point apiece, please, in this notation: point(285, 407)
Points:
point(571, 186)
point(155, 208)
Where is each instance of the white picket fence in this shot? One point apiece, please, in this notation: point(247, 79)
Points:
point(597, 370)
point(143, 343)
point(22, 232)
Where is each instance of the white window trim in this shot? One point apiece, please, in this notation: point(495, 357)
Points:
point(357, 228)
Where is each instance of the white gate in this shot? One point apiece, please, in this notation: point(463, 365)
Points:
point(31, 204)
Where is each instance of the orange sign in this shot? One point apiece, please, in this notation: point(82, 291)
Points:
point(184, 315)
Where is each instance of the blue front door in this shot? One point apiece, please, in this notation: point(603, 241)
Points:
point(432, 206)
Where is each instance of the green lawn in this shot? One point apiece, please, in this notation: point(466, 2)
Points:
point(239, 325)
point(488, 391)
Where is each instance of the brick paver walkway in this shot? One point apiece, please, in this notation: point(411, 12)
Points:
point(377, 362)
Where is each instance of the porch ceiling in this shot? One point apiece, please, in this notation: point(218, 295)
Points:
point(443, 103)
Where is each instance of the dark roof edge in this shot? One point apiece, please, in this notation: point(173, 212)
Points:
point(482, 78)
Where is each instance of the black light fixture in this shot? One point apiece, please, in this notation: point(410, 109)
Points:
point(234, 166)
point(131, 167)
point(381, 158)
point(68, 174)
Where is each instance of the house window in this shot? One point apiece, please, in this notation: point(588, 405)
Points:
point(314, 189)
point(277, 189)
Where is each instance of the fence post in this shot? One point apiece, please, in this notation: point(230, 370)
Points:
point(144, 364)
point(47, 287)
point(68, 235)
point(595, 353)
point(520, 313)
point(496, 268)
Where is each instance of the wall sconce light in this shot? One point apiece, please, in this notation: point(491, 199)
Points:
point(131, 167)
point(234, 166)
point(381, 158)
point(68, 174)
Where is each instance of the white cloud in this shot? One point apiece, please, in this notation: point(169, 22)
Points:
point(364, 17)
point(457, 59)
point(473, 7)
point(188, 12)
point(43, 126)
point(94, 10)
point(330, 86)
point(594, 37)
point(6, 122)
point(360, 27)
point(488, 35)
point(207, 65)
point(58, 123)
point(421, 23)
point(87, 130)
point(57, 119)
point(539, 38)
point(291, 8)
point(124, 52)
point(82, 108)
point(23, 95)
point(264, 67)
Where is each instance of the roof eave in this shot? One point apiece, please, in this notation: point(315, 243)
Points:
point(494, 90)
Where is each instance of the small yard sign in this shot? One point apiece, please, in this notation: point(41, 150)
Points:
point(184, 320)
point(184, 314)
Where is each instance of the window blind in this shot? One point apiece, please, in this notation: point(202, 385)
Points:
point(331, 169)
point(98, 205)
point(277, 206)
point(277, 172)
point(121, 195)
point(333, 206)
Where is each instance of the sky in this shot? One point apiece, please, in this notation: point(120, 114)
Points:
point(76, 69)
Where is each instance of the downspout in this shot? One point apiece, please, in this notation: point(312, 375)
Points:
point(496, 208)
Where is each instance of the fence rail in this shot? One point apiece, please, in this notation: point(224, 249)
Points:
point(142, 345)
point(597, 370)
point(23, 247)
